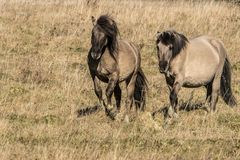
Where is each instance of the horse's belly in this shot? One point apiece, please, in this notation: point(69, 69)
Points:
point(196, 82)
point(199, 77)
point(125, 72)
point(201, 70)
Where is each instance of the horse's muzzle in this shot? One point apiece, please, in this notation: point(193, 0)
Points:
point(161, 71)
point(95, 55)
point(163, 66)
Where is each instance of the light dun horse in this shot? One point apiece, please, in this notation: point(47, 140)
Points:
point(112, 60)
point(201, 61)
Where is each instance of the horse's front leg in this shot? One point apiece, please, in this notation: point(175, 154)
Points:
point(113, 79)
point(98, 90)
point(172, 111)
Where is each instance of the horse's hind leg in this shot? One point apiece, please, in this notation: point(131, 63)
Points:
point(215, 93)
point(208, 96)
point(209, 92)
point(118, 95)
point(130, 93)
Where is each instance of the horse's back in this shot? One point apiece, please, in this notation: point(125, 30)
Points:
point(208, 46)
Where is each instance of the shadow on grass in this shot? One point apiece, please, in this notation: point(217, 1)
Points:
point(89, 110)
point(183, 106)
point(187, 106)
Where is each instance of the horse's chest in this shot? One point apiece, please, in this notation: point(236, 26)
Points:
point(102, 70)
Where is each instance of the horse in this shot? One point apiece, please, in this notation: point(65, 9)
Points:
point(112, 60)
point(192, 63)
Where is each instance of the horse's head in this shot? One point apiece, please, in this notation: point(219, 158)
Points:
point(98, 40)
point(104, 34)
point(169, 45)
point(164, 50)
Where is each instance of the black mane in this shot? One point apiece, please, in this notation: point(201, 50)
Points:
point(109, 27)
point(177, 40)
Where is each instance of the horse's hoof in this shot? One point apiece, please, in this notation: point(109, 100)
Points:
point(119, 117)
point(102, 103)
point(170, 112)
point(110, 107)
point(212, 112)
point(126, 119)
point(175, 115)
point(109, 114)
point(206, 109)
point(170, 115)
point(166, 123)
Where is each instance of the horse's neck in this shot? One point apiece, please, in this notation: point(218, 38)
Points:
point(177, 64)
point(107, 55)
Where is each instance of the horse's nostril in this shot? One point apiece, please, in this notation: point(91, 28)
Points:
point(94, 55)
point(163, 65)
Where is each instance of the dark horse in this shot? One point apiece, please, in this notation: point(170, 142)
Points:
point(112, 60)
point(201, 61)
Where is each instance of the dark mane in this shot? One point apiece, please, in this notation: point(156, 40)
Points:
point(178, 41)
point(109, 27)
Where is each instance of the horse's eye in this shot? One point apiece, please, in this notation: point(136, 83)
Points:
point(170, 47)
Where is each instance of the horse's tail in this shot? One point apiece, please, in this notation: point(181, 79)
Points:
point(141, 88)
point(225, 89)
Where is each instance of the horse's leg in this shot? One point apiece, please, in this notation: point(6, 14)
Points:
point(209, 92)
point(215, 93)
point(130, 93)
point(98, 89)
point(117, 95)
point(169, 84)
point(172, 111)
point(169, 109)
point(113, 79)
point(208, 96)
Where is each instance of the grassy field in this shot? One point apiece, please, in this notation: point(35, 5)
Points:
point(44, 80)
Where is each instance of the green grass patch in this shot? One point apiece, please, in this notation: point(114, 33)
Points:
point(230, 121)
point(26, 120)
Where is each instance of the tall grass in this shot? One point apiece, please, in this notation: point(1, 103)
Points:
point(44, 80)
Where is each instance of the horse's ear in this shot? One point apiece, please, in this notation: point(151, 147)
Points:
point(158, 35)
point(93, 20)
point(172, 36)
point(111, 22)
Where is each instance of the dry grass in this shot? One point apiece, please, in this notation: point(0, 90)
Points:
point(44, 80)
